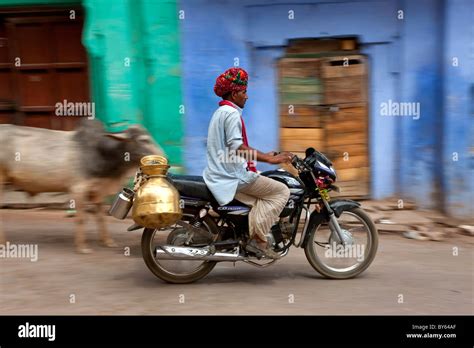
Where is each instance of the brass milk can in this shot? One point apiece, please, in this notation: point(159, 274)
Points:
point(156, 202)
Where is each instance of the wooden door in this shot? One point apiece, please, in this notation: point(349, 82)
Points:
point(346, 131)
point(7, 106)
point(323, 104)
point(46, 65)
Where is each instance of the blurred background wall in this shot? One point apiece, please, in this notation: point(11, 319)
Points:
point(320, 73)
point(123, 55)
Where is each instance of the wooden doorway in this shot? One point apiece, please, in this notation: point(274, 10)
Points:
point(42, 63)
point(323, 104)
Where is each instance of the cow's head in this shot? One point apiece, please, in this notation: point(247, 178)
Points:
point(106, 154)
point(136, 141)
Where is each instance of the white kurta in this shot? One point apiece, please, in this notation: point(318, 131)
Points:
point(225, 169)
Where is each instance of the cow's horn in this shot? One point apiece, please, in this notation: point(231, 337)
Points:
point(119, 136)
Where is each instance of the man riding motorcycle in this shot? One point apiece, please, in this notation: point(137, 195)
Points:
point(230, 171)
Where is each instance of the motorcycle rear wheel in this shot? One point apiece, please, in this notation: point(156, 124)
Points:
point(148, 247)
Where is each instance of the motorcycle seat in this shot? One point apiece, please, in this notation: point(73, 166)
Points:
point(195, 186)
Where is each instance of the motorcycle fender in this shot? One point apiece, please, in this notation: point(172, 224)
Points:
point(316, 219)
point(340, 205)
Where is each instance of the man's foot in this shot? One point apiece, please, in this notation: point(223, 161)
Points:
point(261, 249)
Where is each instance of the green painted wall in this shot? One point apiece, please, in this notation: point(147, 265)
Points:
point(107, 38)
point(156, 34)
point(134, 65)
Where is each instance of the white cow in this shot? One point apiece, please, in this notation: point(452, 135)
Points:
point(88, 163)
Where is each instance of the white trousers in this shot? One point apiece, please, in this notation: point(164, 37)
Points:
point(267, 197)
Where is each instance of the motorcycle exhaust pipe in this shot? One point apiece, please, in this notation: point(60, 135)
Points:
point(171, 252)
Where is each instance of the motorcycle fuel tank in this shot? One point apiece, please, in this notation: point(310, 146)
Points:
point(286, 178)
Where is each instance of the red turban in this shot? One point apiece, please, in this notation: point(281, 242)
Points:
point(233, 79)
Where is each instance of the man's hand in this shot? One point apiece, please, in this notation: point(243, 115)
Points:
point(282, 157)
point(269, 157)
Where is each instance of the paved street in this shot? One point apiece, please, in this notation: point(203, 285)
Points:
point(429, 277)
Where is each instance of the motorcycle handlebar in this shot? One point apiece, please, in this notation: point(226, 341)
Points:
point(296, 162)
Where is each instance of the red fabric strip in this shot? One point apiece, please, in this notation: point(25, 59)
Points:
point(250, 165)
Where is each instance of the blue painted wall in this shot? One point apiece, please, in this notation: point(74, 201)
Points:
point(421, 81)
point(212, 37)
point(382, 130)
point(458, 108)
point(408, 63)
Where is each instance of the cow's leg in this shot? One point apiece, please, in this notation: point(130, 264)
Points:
point(103, 232)
point(78, 194)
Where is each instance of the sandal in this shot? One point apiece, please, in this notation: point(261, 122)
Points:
point(254, 247)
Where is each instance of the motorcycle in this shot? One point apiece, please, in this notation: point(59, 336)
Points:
point(339, 239)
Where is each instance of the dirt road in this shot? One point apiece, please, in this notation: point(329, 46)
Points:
point(407, 277)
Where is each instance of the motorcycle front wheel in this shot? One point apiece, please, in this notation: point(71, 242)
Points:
point(178, 271)
point(328, 256)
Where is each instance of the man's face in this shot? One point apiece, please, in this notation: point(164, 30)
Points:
point(240, 98)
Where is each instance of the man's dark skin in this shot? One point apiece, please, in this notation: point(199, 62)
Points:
point(239, 98)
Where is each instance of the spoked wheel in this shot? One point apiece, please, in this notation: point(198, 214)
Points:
point(331, 258)
point(179, 271)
